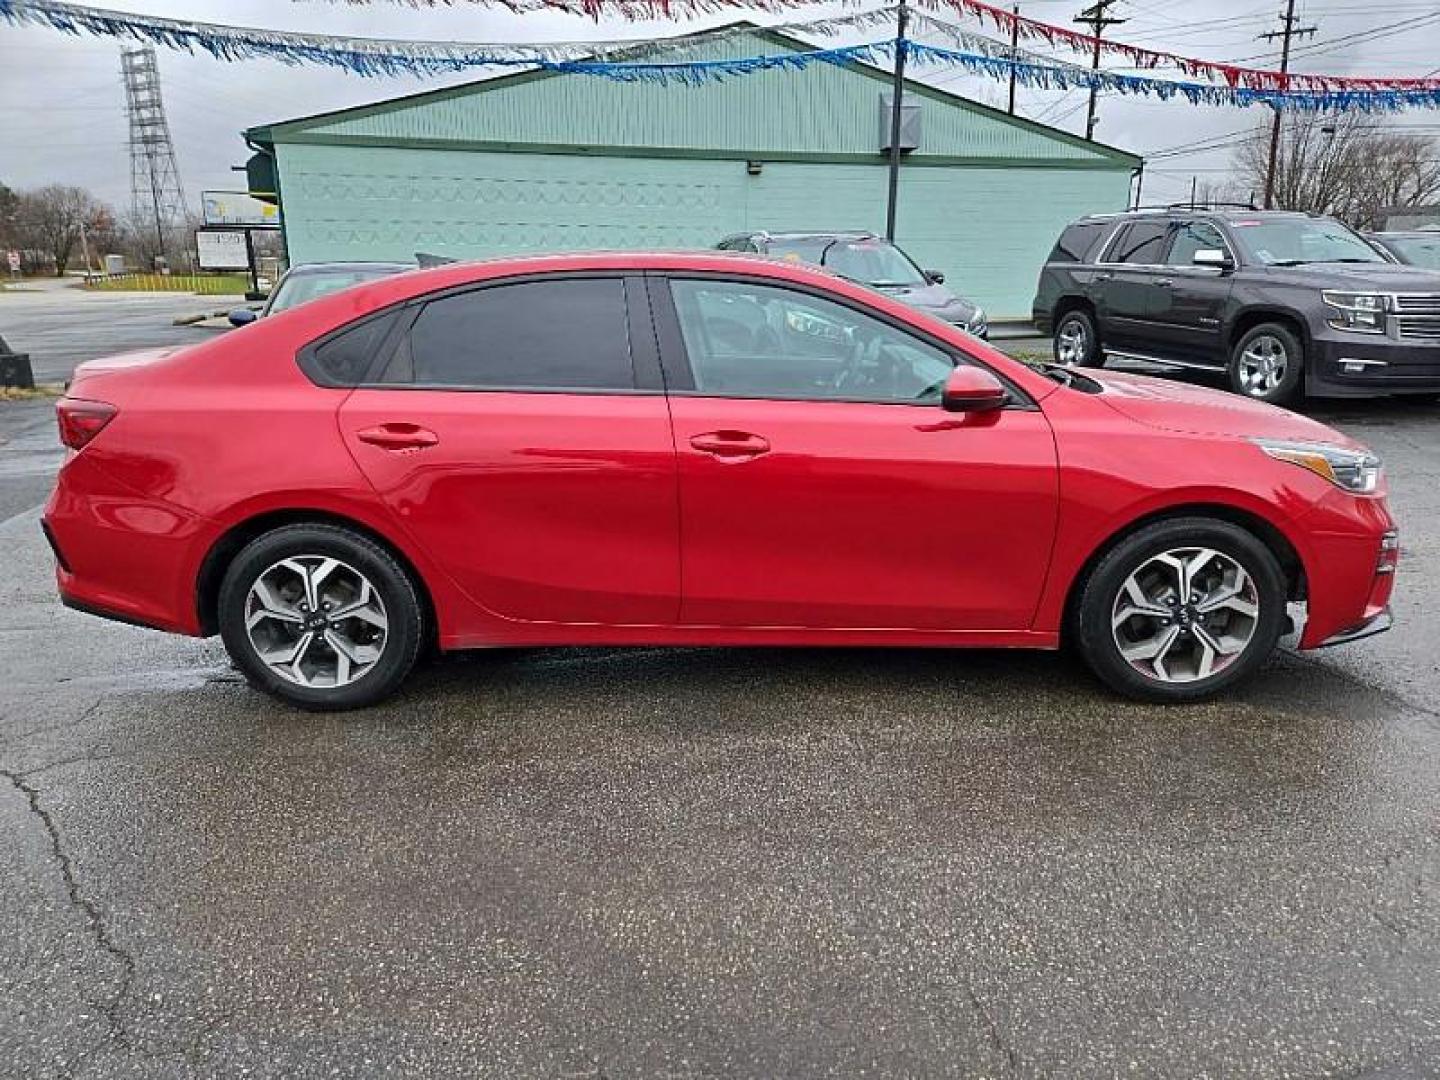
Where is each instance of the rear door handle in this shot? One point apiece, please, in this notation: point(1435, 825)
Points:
point(398, 436)
point(1164, 282)
point(731, 445)
point(1105, 276)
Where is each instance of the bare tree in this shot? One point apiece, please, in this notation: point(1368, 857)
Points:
point(51, 220)
point(1346, 165)
point(9, 217)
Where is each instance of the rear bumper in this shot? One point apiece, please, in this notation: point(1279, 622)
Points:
point(1376, 624)
point(120, 555)
point(1360, 365)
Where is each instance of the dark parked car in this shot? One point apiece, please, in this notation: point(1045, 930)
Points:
point(1283, 303)
point(871, 260)
point(1418, 248)
point(301, 284)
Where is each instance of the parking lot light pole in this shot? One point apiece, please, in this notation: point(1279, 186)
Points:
point(897, 93)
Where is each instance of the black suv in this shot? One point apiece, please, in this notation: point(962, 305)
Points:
point(1284, 303)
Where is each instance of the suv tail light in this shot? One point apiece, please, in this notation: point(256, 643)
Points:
point(1389, 553)
point(80, 421)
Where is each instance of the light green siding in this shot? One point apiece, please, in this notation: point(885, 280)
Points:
point(988, 228)
point(824, 109)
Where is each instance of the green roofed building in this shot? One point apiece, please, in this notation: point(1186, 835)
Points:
point(540, 161)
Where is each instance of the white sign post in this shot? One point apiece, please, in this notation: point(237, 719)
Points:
point(223, 249)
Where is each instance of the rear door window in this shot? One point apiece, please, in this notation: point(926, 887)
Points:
point(567, 334)
point(1141, 243)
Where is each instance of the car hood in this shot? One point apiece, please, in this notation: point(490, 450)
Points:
point(932, 299)
point(1358, 277)
point(1176, 406)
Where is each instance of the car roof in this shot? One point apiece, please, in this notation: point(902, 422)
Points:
point(812, 234)
point(1223, 214)
point(1408, 234)
point(349, 267)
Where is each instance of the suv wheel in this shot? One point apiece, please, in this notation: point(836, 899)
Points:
point(1268, 364)
point(1076, 342)
point(1181, 610)
point(321, 617)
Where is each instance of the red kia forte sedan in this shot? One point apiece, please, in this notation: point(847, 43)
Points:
point(693, 449)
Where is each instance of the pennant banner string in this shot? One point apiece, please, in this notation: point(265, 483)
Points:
point(615, 59)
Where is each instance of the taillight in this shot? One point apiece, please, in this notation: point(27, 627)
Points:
point(80, 421)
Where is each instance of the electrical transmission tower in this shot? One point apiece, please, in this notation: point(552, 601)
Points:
point(1289, 31)
point(155, 191)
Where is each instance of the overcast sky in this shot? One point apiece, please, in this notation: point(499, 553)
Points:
point(62, 106)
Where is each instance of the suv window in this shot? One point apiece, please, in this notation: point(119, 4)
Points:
point(1141, 242)
point(569, 334)
point(1079, 240)
point(1193, 236)
point(762, 341)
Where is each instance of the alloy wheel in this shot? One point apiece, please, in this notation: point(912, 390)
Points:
point(1263, 366)
point(1072, 343)
point(1185, 615)
point(316, 621)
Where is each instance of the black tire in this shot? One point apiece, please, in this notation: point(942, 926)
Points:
point(1101, 591)
point(404, 614)
point(1077, 325)
point(1289, 386)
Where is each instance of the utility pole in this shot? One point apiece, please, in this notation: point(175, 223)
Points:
point(897, 95)
point(1097, 17)
point(1014, 52)
point(1289, 31)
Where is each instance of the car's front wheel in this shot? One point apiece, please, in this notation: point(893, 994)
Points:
point(320, 616)
point(1077, 344)
point(1181, 610)
point(1268, 364)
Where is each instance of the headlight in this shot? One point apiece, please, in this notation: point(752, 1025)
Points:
point(1353, 470)
point(1361, 312)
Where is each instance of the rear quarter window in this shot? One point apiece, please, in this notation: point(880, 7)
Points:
point(345, 357)
point(1078, 241)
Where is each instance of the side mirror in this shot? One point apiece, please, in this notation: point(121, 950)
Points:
point(242, 316)
point(935, 277)
point(972, 389)
point(1213, 257)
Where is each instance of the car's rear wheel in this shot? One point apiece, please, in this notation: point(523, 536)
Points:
point(1268, 364)
point(320, 616)
point(1076, 342)
point(1181, 610)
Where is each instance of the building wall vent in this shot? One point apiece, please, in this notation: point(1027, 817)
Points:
point(909, 123)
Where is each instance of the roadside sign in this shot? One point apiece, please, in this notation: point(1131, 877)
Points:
point(13, 258)
point(222, 249)
point(238, 208)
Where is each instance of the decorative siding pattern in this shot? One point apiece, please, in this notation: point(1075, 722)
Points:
point(988, 228)
point(822, 109)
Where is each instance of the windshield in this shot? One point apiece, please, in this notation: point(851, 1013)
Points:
point(1417, 250)
point(300, 288)
point(1293, 241)
point(870, 262)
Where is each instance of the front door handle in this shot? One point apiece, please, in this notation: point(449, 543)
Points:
point(1105, 276)
point(398, 436)
point(730, 445)
point(1164, 282)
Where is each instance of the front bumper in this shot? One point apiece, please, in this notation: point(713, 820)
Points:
point(1364, 365)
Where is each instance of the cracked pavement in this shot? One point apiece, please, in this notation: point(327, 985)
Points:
point(725, 862)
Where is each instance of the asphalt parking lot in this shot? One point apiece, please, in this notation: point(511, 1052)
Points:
point(716, 862)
